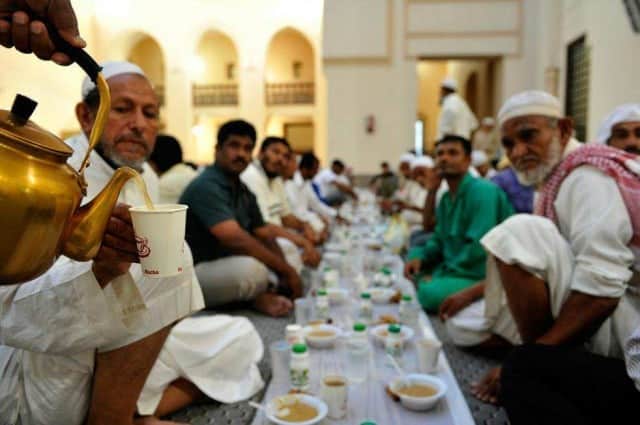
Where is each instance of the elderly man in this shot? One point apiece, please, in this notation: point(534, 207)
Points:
point(621, 128)
point(87, 336)
point(412, 207)
point(455, 116)
point(234, 248)
point(566, 276)
point(453, 254)
point(303, 200)
point(263, 178)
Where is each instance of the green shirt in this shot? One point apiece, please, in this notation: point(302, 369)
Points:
point(454, 250)
point(214, 197)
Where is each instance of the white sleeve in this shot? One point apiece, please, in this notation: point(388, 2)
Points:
point(447, 123)
point(63, 311)
point(316, 205)
point(282, 194)
point(593, 217)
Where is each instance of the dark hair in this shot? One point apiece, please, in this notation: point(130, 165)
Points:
point(449, 138)
point(236, 128)
point(166, 153)
point(308, 160)
point(384, 164)
point(272, 140)
point(337, 163)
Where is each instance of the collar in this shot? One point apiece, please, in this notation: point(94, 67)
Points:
point(226, 180)
point(464, 185)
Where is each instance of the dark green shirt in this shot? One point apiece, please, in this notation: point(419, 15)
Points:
point(454, 250)
point(214, 197)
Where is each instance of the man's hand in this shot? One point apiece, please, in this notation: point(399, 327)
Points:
point(433, 182)
point(118, 249)
point(411, 268)
point(22, 25)
point(291, 280)
point(310, 256)
point(309, 234)
point(454, 303)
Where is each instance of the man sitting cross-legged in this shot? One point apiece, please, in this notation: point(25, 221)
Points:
point(233, 247)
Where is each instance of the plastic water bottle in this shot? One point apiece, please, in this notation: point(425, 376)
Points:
point(393, 343)
point(299, 368)
point(408, 312)
point(365, 312)
point(358, 354)
point(322, 304)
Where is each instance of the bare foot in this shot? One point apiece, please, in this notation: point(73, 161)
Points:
point(273, 304)
point(488, 389)
point(152, 420)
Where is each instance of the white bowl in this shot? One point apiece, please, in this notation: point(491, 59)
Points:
point(281, 402)
point(380, 333)
point(381, 295)
point(321, 341)
point(419, 403)
point(337, 295)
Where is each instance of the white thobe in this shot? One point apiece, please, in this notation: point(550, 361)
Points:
point(416, 196)
point(325, 179)
point(456, 118)
point(173, 182)
point(588, 252)
point(305, 203)
point(273, 204)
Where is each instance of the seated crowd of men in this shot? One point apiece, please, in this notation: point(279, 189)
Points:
point(101, 343)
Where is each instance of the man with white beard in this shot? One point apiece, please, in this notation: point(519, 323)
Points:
point(563, 280)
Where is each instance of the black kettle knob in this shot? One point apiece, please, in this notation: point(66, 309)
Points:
point(22, 108)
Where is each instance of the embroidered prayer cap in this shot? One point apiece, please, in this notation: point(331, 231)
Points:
point(422, 161)
point(479, 158)
point(449, 83)
point(623, 113)
point(407, 157)
point(111, 69)
point(530, 102)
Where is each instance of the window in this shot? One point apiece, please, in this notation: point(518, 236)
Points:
point(418, 143)
point(577, 93)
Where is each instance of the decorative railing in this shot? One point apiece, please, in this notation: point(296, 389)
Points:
point(215, 94)
point(290, 93)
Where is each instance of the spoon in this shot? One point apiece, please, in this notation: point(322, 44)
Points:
point(281, 413)
point(396, 366)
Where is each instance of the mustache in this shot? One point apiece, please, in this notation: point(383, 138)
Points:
point(524, 159)
point(132, 138)
point(240, 161)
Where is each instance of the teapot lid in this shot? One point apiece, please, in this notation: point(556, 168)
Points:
point(15, 125)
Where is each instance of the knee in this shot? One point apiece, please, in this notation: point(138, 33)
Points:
point(519, 365)
point(431, 296)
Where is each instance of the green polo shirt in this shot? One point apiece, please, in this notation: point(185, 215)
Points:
point(214, 197)
point(454, 250)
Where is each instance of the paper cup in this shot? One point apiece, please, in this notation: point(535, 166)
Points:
point(428, 351)
point(160, 238)
point(333, 391)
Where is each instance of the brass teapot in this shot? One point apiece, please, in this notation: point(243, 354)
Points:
point(40, 193)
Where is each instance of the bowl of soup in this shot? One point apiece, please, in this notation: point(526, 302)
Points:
point(296, 409)
point(381, 332)
point(321, 336)
point(418, 392)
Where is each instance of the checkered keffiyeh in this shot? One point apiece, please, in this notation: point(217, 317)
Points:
point(622, 166)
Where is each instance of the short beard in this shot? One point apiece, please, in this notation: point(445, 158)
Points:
point(119, 161)
point(537, 175)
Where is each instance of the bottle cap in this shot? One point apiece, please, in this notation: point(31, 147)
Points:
point(299, 348)
point(359, 327)
point(365, 296)
point(394, 328)
point(406, 298)
point(321, 292)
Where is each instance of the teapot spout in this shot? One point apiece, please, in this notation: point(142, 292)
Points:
point(88, 224)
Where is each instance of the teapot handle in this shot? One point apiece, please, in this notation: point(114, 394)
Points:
point(79, 56)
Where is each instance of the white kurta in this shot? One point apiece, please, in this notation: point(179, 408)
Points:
point(270, 193)
point(325, 179)
point(416, 196)
point(173, 182)
point(456, 118)
point(305, 203)
point(51, 327)
point(273, 204)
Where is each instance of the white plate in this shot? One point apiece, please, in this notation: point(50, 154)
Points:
point(280, 402)
point(379, 333)
point(381, 295)
point(419, 403)
point(321, 341)
point(337, 295)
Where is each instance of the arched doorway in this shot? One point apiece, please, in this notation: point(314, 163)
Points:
point(471, 92)
point(147, 54)
point(215, 74)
